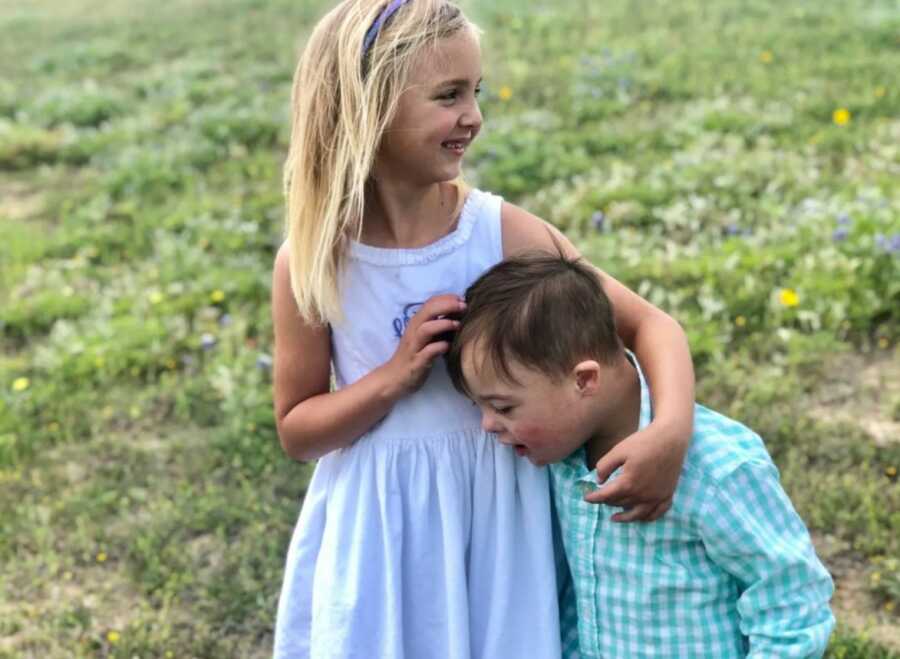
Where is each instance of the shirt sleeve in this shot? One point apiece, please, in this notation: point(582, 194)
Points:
point(751, 530)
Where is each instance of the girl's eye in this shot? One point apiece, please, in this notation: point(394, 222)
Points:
point(478, 91)
point(503, 410)
point(449, 96)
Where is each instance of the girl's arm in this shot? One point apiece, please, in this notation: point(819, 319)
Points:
point(651, 458)
point(312, 420)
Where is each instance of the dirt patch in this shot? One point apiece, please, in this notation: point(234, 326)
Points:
point(19, 201)
point(863, 390)
point(853, 603)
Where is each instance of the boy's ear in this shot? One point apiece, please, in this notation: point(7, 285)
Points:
point(587, 377)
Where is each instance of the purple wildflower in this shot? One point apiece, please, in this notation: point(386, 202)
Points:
point(843, 219)
point(840, 234)
point(207, 341)
point(264, 362)
point(225, 320)
point(888, 244)
point(598, 220)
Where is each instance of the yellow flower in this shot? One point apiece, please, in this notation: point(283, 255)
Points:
point(101, 557)
point(889, 606)
point(890, 472)
point(99, 362)
point(880, 91)
point(53, 426)
point(217, 296)
point(876, 577)
point(740, 321)
point(505, 93)
point(169, 654)
point(788, 297)
point(883, 342)
point(112, 636)
point(170, 364)
point(841, 116)
point(20, 384)
point(765, 57)
point(156, 297)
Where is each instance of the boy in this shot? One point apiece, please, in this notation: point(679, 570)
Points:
point(729, 571)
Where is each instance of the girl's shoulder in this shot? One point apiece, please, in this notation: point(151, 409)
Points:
point(523, 231)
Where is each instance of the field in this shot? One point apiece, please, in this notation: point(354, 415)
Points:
point(737, 163)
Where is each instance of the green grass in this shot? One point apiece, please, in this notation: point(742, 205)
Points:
point(145, 503)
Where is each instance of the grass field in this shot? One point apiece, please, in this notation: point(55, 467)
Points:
point(737, 163)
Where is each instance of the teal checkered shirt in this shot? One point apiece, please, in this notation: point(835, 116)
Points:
point(729, 571)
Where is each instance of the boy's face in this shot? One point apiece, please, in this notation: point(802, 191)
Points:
point(544, 419)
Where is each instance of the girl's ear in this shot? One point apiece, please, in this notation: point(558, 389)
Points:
point(587, 377)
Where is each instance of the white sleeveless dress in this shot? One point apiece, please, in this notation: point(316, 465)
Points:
point(426, 538)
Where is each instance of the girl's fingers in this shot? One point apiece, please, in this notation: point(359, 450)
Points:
point(430, 329)
point(640, 512)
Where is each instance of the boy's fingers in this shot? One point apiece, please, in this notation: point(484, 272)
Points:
point(640, 512)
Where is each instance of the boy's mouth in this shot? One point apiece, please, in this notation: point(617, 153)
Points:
point(521, 450)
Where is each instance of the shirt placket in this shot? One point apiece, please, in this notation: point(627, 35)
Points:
point(588, 514)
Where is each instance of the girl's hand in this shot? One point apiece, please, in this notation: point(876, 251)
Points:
point(651, 463)
point(421, 343)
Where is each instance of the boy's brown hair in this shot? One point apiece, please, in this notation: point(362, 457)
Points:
point(543, 311)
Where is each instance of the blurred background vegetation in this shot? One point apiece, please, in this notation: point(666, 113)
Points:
point(737, 163)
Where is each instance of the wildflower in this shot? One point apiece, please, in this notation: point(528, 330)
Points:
point(740, 321)
point(112, 636)
point(788, 297)
point(170, 364)
point(598, 219)
point(225, 320)
point(890, 472)
point(264, 362)
point(765, 57)
point(840, 234)
point(53, 426)
point(187, 360)
point(505, 93)
point(889, 605)
point(841, 116)
point(843, 219)
point(156, 297)
point(883, 342)
point(732, 230)
point(20, 384)
point(876, 577)
point(207, 341)
point(888, 244)
point(880, 91)
point(101, 557)
point(99, 362)
point(217, 296)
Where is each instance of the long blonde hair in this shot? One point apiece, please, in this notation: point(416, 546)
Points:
point(342, 103)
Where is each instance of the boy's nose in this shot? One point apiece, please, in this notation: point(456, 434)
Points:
point(489, 423)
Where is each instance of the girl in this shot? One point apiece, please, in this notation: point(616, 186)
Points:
point(419, 536)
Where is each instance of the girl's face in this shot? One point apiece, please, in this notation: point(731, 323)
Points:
point(437, 115)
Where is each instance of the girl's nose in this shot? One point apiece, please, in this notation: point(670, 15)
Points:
point(472, 116)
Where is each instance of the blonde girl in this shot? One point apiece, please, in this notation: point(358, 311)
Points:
point(419, 536)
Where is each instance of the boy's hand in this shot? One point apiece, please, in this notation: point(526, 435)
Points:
point(651, 464)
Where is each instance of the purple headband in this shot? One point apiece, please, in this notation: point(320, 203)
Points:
point(379, 23)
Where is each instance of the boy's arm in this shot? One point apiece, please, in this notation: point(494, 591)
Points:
point(751, 530)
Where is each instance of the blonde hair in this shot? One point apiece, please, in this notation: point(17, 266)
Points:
point(342, 103)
